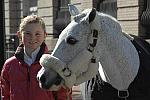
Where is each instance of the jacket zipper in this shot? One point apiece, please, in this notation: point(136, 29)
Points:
point(28, 81)
point(28, 69)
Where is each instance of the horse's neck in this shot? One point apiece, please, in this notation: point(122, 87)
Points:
point(118, 57)
point(114, 44)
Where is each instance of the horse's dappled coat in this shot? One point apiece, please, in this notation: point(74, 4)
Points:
point(139, 88)
point(71, 58)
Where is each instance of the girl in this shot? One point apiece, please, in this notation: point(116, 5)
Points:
point(19, 72)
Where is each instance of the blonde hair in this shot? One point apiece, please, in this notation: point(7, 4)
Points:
point(32, 19)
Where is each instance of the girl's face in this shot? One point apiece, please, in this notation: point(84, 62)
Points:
point(32, 36)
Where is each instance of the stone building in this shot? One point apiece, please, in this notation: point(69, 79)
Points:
point(133, 16)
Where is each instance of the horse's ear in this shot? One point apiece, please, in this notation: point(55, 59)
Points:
point(92, 15)
point(73, 10)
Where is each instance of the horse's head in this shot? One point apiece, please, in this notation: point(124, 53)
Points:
point(91, 37)
point(67, 57)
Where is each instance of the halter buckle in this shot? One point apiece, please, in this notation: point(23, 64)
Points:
point(123, 93)
point(90, 48)
point(93, 59)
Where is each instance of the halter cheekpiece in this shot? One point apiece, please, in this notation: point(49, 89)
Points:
point(91, 46)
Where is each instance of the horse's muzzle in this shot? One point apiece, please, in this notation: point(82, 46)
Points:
point(48, 78)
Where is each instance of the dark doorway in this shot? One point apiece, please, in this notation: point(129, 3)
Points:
point(2, 32)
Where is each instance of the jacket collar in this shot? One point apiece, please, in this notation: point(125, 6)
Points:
point(19, 54)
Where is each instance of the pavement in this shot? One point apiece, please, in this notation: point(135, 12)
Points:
point(76, 93)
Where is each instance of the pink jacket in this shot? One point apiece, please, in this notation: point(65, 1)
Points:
point(19, 80)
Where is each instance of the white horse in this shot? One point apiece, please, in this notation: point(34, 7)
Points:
point(91, 38)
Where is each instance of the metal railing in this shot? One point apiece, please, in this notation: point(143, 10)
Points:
point(11, 43)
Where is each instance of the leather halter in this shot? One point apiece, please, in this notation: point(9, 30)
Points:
point(91, 46)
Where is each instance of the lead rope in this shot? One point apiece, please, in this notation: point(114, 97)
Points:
point(69, 90)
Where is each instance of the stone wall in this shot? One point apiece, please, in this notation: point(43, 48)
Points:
point(128, 14)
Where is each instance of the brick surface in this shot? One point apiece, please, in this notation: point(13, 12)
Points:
point(45, 3)
point(128, 13)
point(45, 11)
point(131, 28)
point(127, 3)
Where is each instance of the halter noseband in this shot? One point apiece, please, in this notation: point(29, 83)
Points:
point(91, 46)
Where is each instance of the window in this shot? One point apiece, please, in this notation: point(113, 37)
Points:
point(145, 18)
point(29, 8)
point(106, 6)
point(62, 16)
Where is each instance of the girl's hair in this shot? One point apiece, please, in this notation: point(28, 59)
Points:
point(32, 19)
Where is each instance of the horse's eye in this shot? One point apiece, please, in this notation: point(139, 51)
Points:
point(71, 40)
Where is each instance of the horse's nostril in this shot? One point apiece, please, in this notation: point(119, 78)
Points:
point(58, 81)
point(42, 79)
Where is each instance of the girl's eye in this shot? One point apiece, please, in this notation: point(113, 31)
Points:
point(38, 34)
point(27, 33)
point(71, 40)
